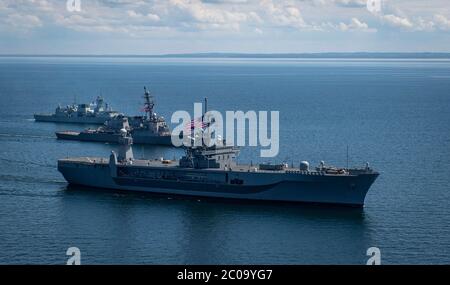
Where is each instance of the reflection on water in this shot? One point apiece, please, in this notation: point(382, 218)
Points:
point(196, 230)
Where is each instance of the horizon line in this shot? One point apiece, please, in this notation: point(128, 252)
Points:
point(388, 55)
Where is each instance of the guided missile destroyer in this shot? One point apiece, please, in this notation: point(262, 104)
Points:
point(212, 172)
point(148, 129)
point(97, 112)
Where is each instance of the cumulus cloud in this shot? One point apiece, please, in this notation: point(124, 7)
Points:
point(442, 22)
point(280, 13)
point(23, 22)
point(414, 15)
point(149, 16)
point(397, 21)
point(355, 25)
point(196, 13)
point(15, 17)
point(139, 18)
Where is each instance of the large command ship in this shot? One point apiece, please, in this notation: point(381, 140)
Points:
point(212, 172)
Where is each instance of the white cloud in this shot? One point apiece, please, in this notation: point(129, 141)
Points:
point(23, 15)
point(442, 22)
point(355, 25)
point(285, 14)
point(133, 14)
point(153, 17)
point(138, 17)
point(149, 16)
point(397, 21)
point(23, 22)
point(425, 25)
point(201, 12)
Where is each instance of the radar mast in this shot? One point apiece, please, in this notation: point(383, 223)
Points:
point(149, 104)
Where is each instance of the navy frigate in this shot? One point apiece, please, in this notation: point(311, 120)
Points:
point(211, 171)
point(97, 112)
point(148, 129)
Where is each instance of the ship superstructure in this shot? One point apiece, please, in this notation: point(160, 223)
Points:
point(97, 112)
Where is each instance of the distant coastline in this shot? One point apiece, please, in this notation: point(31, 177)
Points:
point(328, 55)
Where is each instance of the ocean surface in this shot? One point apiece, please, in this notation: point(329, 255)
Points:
point(393, 113)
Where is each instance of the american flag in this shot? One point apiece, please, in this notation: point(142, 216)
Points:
point(146, 108)
point(196, 123)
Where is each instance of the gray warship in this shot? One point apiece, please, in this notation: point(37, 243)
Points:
point(97, 112)
point(212, 172)
point(148, 129)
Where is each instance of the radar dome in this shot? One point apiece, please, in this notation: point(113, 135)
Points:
point(304, 166)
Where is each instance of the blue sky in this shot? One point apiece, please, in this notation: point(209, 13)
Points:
point(252, 26)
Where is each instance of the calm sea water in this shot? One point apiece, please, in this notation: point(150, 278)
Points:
point(394, 114)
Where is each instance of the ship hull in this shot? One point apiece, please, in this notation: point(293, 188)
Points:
point(113, 138)
point(343, 190)
point(71, 120)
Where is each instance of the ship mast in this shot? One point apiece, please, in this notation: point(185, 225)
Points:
point(149, 104)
